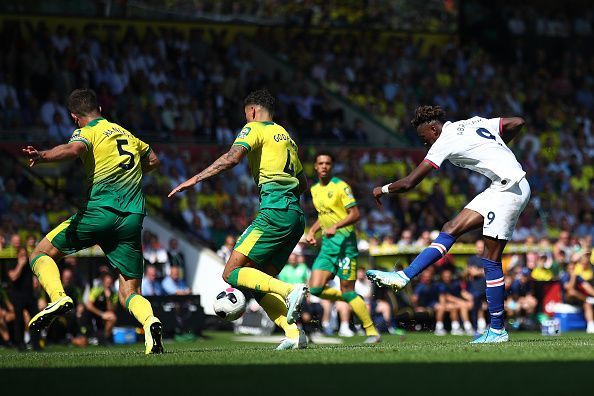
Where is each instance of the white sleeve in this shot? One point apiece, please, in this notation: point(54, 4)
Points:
point(438, 153)
point(493, 125)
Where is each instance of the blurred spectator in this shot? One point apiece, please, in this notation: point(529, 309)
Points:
point(156, 254)
point(377, 306)
point(476, 286)
point(295, 271)
point(175, 255)
point(456, 301)
point(521, 302)
point(151, 286)
point(25, 305)
point(225, 251)
point(101, 305)
point(174, 285)
point(578, 292)
point(6, 317)
point(70, 326)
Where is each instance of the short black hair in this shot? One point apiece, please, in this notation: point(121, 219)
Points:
point(83, 102)
point(260, 97)
point(326, 153)
point(427, 114)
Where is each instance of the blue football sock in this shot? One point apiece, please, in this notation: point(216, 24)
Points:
point(495, 292)
point(431, 254)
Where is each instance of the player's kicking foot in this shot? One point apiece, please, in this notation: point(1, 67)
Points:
point(394, 280)
point(293, 343)
point(373, 339)
point(153, 336)
point(49, 313)
point(294, 301)
point(491, 337)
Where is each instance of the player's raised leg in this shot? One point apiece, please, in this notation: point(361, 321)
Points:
point(43, 264)
point(495, 291)
point(465, 221)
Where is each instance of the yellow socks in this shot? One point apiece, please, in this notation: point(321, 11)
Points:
point(46, 270)
point(327, 293)
point(360, 309)
point(275, 307)
point(254, 279)
point(140, 307)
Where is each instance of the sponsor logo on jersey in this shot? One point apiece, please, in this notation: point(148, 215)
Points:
point(244, 132)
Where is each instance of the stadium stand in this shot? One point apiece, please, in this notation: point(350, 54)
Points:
point(187, 90)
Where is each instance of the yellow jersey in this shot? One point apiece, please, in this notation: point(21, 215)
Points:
point(274, 163)
point(112, 164)
point(332, 201)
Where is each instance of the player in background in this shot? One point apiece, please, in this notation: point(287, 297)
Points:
point(477, 144)
point(114, 162)
point(264, 247)
point(337, 213)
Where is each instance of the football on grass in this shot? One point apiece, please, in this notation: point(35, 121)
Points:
point(230, 304)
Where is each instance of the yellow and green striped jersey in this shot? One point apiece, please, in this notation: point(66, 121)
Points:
point(273, 161)
point(332, 201)
point(113, 166)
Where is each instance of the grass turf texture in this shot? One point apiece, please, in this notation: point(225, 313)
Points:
point(420, 362)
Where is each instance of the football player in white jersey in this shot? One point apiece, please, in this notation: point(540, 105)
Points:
point(478, 144)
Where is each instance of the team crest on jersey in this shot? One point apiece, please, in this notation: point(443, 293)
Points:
point(348, 192)
point(330, 194)
point(244, 132)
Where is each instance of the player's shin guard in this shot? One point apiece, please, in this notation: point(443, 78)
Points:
point(140, 307)
point(327, 293)
point(495, 292)
point(46, 270)
point(430, 255)
point(276, 309)
point(257, 280)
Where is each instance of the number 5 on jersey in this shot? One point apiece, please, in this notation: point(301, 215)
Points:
point(125, 166)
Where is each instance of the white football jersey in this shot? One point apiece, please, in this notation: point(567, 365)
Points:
point(476, 144)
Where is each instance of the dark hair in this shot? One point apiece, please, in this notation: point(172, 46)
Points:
point(261, 97)
point(326, 153)
point(427, 114)
point(83, 102)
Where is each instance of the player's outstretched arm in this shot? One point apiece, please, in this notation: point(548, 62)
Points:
point(150, 162)
point(405, 184)
point(58, 153)
point(223, 163)
point(510, 127)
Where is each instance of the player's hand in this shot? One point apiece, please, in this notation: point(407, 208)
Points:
point(33, 155)
point(14, 274)
point(377, 194)
point(108, 315)
point(311, 239)
point(182, 187)
point(330, 231)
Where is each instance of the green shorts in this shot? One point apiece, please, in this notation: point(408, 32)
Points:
point(271, 237)
point(338, 256)
point(118, 235)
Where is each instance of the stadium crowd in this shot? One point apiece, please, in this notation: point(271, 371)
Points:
point(167, 87)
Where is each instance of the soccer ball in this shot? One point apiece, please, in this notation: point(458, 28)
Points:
point(230, 304)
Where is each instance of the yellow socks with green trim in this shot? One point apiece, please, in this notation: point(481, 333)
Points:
point(360, 309)
point(327, 293)
point(254, 279)
point(275, 307)
point(46, 270)
point(140, 307)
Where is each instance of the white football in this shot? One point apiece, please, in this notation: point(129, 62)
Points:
point(230, 304)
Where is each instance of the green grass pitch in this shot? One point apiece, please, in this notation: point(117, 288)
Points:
point(417, 364)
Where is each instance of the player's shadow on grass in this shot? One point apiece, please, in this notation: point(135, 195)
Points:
point(542, 378)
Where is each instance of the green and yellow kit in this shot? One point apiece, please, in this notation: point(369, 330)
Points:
point(338, 254)
point(115, 208)
point(275, 166)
